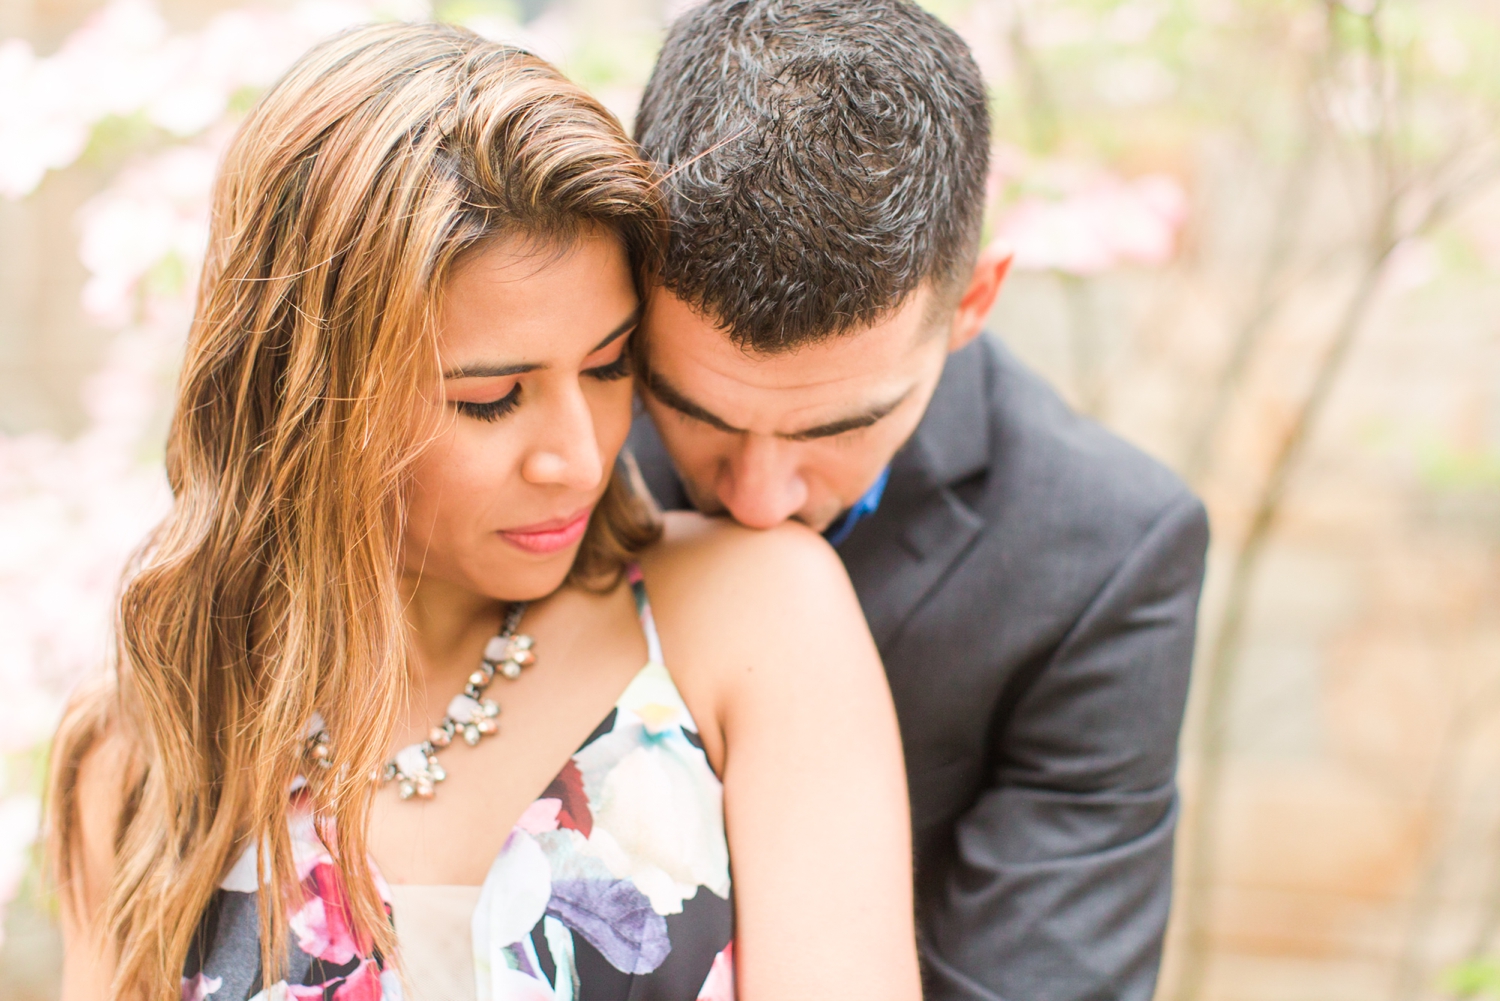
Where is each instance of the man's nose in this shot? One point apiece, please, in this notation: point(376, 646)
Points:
point(761, 484)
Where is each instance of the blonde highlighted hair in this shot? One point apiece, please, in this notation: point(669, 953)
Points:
point(270, 591)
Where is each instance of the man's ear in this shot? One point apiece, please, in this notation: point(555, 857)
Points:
point(989, 274)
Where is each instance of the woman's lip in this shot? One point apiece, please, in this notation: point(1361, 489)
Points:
point(549, 536)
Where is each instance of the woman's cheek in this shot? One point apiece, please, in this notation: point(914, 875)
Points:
point(448, 478)
point(421, 514)
point(611, 406)
point(483, 460)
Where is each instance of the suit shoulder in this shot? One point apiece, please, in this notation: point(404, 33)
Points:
point(1047, 455)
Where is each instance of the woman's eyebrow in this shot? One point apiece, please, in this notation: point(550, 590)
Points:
point(620, 331)
point(489, 371)
point(495, 371)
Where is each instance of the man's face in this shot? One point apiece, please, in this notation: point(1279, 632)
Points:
point(801, 434)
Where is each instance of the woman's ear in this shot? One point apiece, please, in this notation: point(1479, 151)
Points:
point(989, 274)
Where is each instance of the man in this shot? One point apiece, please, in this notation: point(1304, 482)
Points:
point(813, 352)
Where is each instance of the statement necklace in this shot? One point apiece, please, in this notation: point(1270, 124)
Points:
point(470, 714)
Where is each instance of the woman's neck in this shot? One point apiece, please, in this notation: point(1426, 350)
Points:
point(449, 623)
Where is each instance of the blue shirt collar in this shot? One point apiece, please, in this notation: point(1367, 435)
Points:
point(862, 509)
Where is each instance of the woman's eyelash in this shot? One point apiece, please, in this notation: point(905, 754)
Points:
point(617, 369)
point(495, 409)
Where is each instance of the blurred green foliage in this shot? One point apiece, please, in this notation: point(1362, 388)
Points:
point(1474, 979)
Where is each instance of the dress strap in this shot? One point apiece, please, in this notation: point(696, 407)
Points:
point(643, 609)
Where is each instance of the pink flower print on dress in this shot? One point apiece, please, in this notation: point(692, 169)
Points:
point(321, 924)
point(719, 985)
point(573, 812)
point(624, 846)
point(540, 817)
point(361, 985)
point(199, 987)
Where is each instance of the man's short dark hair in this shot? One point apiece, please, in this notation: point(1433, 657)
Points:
point(824, 158)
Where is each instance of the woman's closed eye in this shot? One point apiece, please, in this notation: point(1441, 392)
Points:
point(491, 410)
point(620, 368)
point(617, 369)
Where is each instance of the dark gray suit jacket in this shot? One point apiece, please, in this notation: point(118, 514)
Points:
point(1032, 582)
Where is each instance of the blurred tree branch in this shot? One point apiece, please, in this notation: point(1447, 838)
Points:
point(1408, 201)
point(1039, 109)
point(1086, 345)
point(1271, 288)
point(1443, 801)
point(1037, 102)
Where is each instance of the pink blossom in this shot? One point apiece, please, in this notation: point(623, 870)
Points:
point(156, 209)
point(72, 511)
point(19, 817)
point(1413, 263)
point(1102, 224)
point(105, 67)
point(367, 982)
point(124, 61)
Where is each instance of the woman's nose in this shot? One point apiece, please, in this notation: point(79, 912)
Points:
point(567, 450)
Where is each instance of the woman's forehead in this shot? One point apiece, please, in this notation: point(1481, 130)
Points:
point(532, 302)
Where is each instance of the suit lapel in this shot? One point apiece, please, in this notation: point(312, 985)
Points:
point(899, 555)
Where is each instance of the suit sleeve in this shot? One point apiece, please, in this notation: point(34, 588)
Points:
point(1061, 873)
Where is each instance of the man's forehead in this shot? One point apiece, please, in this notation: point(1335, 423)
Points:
point(680, 335)
point(817, 390)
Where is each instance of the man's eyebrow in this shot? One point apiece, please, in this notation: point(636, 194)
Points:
point(494, 371)
point(852, 423)
point(669, 395)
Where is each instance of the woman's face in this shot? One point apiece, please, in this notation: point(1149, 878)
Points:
point(536, 404)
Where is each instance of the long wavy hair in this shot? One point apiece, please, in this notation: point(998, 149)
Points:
point(271, 589)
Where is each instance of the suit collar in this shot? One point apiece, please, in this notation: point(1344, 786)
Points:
point(952, 442)
point(904, 551)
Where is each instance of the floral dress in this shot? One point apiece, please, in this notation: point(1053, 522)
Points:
point(613, 886)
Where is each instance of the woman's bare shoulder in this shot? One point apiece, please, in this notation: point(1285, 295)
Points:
point(694, 546)
point(105, 771)
point(95, 762)
point(723, 589)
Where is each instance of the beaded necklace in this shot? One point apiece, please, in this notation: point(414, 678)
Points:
point(471, 715)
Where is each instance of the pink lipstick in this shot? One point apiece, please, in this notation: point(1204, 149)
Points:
point(549, 536)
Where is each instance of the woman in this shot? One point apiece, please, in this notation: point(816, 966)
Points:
point(405, 390)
